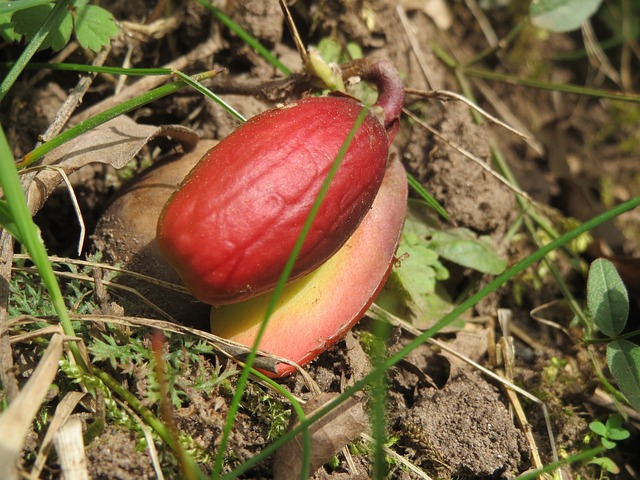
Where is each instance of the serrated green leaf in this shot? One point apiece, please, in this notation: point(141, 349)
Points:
point(607, 298)
point(10, 7)
point(416, 272)
point(28, 22)
point(414, 283)
point(623, 358)
point(461, 247)
point(561, 15)
point(94, 27)
point(7, 30)
point(105, 350)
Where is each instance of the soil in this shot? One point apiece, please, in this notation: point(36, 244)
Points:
point(445, 417)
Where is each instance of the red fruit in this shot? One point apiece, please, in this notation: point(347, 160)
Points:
point(317, 310)
point(230, 228)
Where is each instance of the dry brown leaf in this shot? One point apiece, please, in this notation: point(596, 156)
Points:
point(15, 421)
point(70, 450)
point(342, 425)
point(115, 143)
point(63, 412)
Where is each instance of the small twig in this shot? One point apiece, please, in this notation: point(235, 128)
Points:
point(503, 110)
point(536, 310)
point(155, 30)
point(461, 98)
point(126, 63)
point(596, 56)
point(228, 348)
point(63, 412)
point(506, 353)
point(148, 436)
point(73, 100)
point(72, 196)
point(70, 449)
point(111, 268)
point(483, 22)
point(166, 409)
point(415, 45)
point(471, 157)
point(265, 89)
point(7, 372)
point(302, 51)
point(114, 285)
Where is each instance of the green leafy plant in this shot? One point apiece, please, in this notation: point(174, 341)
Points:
point(132, 353)
point(608, 305)
point(609, 433)
point(416, 283)
point(93, 25)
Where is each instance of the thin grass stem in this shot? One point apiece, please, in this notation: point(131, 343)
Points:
point(246, 36)
point(196, 85)
point(557, 87)
point(82, 68)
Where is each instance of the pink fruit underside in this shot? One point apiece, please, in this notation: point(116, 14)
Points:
point(229, 229)
point(317, 310)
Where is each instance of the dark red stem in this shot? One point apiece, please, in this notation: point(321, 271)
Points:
point(383, 74)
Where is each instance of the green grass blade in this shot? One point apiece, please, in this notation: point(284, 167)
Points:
point(580, 457)
point(78, 67)
point(557, 87)
point(246, 36)
point(29, 235)
point(158, 426)
point(491, 287)
point(208, 93)
point(426, 196)
point(379, 403)
point(235, 403)
point(306, 436)
point(52, 21)
point(6, 220)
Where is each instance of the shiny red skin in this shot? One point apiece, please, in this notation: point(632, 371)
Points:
point(230, 227)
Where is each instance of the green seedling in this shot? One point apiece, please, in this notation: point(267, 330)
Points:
point(609, 433)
